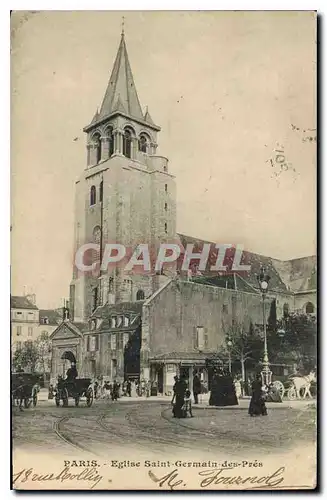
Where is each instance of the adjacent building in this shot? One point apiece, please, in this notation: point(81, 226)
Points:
point(24, 320)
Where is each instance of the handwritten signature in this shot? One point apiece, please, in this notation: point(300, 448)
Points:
point(89, 475)
point(217, 476)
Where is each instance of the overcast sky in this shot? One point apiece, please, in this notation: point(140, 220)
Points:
point(226, 88)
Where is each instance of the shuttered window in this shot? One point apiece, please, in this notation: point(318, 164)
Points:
point(200, 337)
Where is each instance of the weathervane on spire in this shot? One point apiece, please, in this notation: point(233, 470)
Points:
point(123, 25)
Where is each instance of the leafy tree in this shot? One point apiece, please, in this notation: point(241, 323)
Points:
point(43, 346)
point(26, 357)
point(294, 339)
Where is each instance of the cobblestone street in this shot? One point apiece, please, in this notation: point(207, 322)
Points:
point(148, 425)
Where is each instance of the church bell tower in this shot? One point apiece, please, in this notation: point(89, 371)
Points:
point(125, 195)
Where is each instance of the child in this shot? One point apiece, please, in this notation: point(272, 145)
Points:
point(187, 407)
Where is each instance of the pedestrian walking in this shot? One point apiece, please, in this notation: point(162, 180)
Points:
point(128, 388)
point(238, 388)
point(115, 391)
point(180, 389)
point(134, 389)
point(257, 404)
point(187, 407)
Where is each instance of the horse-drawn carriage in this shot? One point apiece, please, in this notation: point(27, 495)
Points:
point(75, 389)
point(24, 389)
point(296, 386)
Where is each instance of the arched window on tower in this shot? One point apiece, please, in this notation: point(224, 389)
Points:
point(97, 144)
point(101, 192)
point(93, 195)
point(143, 144)
point(140, 295)
point(309, 308)
point(127, 144)
point(110, 136)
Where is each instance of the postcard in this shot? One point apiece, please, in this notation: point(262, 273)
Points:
point(164, 270)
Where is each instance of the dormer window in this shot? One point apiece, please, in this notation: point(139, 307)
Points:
point(113, 321)
point(126, 321)
point(45, 321)
point(140, 295)
point(119, 321)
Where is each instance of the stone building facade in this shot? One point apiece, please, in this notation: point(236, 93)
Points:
point(152, 325)
point(24, 320)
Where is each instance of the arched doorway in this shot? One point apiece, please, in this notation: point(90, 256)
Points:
point(132, 355)
point(309, 308)
point(67, 359)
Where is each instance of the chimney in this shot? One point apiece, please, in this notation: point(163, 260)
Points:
point(32, 298)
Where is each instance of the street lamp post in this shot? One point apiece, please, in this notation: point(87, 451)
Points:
point(263, 280)
point(229, 347)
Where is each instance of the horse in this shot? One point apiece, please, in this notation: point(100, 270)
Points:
point(18, 397)
point(299, 383)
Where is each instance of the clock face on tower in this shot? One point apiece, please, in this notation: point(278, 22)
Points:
point(97, 234)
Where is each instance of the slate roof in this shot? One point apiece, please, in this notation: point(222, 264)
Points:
point(18, 302)
point(303, 274)
point(81, 327)
point(133, 309)
point(53, 315)
point(121, 307)
point(285, 276)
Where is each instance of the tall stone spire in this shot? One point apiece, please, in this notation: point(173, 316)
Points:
point(121, 91)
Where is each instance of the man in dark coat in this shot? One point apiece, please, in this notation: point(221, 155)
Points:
point(196, 388)
point(71, 374)
point(115, 391)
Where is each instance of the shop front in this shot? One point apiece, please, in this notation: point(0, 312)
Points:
point(165, 367)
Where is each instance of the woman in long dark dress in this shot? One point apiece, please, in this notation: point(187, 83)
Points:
point(257, 403)
point(230, 393)
point(180, 388)
point(217, 389)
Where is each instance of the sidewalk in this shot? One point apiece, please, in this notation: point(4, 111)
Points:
point(203, 402)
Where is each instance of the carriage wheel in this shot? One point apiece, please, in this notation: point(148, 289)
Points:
point(76, 400)
point(34, 400)
point(291, 393)
point(57, 399)
point(279, 387)
point(64, 397)
point(27, 402)
point(89, 397)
